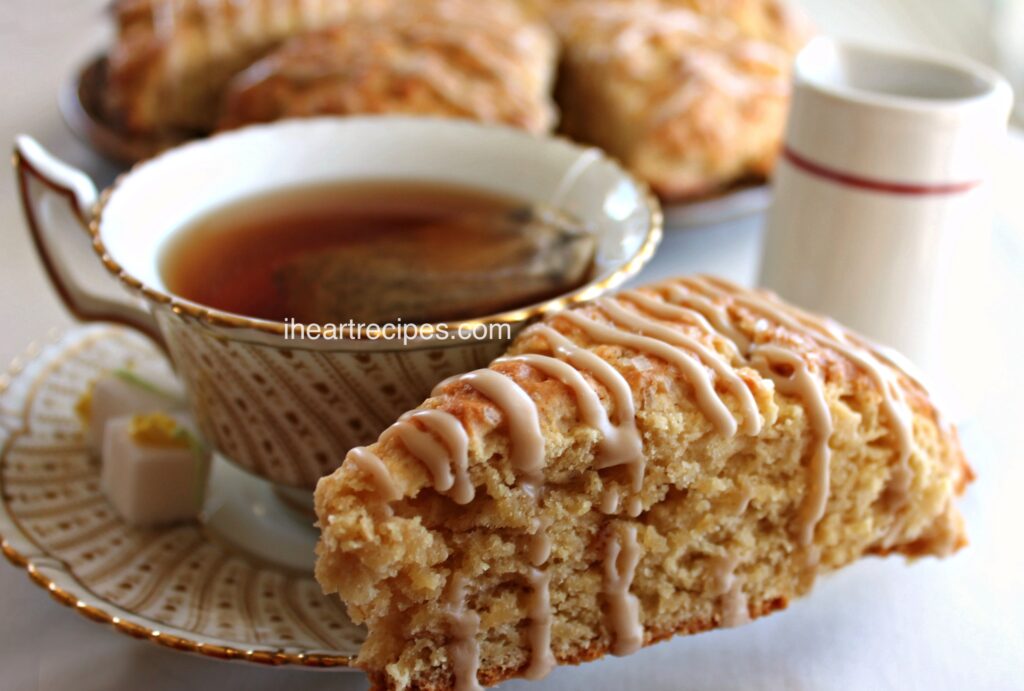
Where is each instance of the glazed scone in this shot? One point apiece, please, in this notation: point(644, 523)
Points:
point(172, 58)
point(479, 59)
point(677, 458)
point(688, 102)
point(774, 21)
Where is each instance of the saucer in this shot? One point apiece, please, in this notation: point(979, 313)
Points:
point(235, 585)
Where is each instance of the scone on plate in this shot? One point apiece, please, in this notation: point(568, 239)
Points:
point(689, 102)
point(171, 58)
point(478, 59)
point(774, 21)
point(674, 459)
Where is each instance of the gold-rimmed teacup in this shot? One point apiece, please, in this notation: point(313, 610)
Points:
point(288, 409)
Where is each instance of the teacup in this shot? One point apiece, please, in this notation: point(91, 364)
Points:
point(288, 410)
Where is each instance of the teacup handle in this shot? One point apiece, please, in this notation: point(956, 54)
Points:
point(54, 197)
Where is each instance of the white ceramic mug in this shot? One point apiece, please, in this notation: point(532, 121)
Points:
point(288, 409)
point(882, 212)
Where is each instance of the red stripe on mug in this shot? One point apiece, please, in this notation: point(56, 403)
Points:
point(851, 180)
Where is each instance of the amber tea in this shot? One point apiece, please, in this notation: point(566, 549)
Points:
point(377, 252)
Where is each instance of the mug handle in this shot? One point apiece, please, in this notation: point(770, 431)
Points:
point(43, 181)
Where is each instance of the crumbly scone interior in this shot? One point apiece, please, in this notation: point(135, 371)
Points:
point(730, 521)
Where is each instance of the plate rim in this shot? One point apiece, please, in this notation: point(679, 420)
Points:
point(99, 134)
point(52, 575)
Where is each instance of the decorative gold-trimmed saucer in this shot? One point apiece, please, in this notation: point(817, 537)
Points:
point(236, 585)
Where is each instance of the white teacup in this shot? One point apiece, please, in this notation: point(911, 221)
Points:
point(284, 409)
point(882, 213)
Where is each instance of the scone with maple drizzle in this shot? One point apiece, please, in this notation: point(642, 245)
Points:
point(674, 459)
point(687, 100)
point(486, 60)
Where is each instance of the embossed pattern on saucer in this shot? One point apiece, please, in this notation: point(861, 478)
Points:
point(176, 586)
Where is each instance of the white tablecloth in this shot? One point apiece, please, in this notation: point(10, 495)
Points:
point(957, 624)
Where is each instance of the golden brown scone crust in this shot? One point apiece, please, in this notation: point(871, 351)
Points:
point(692, 102)
point(479, 59)
point(707, 498)
point(774, 21)
point(172, 58)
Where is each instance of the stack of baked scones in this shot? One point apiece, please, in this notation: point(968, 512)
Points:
point(690, 94)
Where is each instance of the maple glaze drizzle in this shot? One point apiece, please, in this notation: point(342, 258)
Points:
point(801, 384)
point(526, 455)
point(621, 557)
point(728, 588)
point(589, 403)
point(610, 499)
point(539, 550)
point(715, 314)
point(542, 659)
point(463, 627)
point(623, 444)
point(711, 359)
point(688, 365)
point(447, 462)
point(526, 450)
point(427, 449)
point(828, 335)
point(538, 609)
point(700, 302)
point(735, 608)
point(373, 467)
point(671, 312)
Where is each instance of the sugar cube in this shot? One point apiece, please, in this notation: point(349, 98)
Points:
point(125, 392)
point(154, 468)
